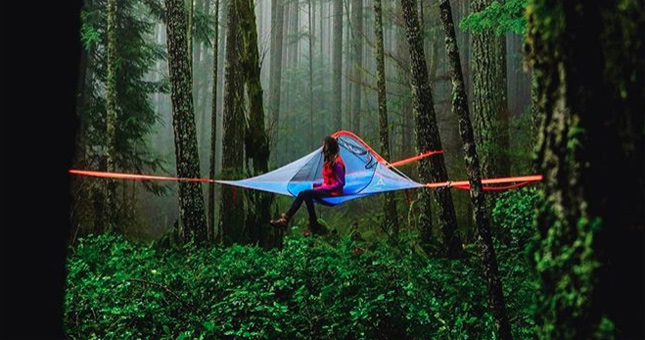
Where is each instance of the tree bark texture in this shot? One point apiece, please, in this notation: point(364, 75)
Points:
point(256, 139)
point(275, 81)
point(480, 213)
point(587, 58)
point(403, 77)
point(191, 199)
point(189, 35)
point(490, 107)
point(211, 186)
point(232, 216)
point(389, 208)
point(431, 169)
point(111, 121)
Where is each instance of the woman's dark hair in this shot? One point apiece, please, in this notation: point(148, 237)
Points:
point(330, 149)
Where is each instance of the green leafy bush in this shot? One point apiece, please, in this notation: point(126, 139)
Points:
point(503, 17)
point(312, 288)
point(514, 215)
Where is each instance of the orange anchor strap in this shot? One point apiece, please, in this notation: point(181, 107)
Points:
point(413, 158)
point(120, 175)
point(379, 157)
point(500, 180)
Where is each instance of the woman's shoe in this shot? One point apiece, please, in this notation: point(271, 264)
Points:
point(282, 222)
point(317, 228)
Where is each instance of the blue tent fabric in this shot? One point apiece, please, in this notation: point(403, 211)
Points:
point(366, 173)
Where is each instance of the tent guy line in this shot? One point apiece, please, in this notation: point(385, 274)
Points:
point(367, 173)
point(519, 180)
point(141, 177)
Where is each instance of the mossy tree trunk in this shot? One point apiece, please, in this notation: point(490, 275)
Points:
point(482, 220)
point(111, 121)
point(490, 107)
point(191, 199)
point(190, 5)
point(277, 32)
point(431, 169)
point(256, 138)
point(232, 215)
point(587, 58)
point(389, 208)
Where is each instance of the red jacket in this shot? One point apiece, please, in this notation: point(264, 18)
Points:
point(333, 178)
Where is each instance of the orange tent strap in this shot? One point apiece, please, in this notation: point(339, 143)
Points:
point(379, 157)
point(493, 188)
point(413, 158)
point(462, 184)
point(136, 176)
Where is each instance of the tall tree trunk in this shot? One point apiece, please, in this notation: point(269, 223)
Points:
point(391, 219)
point(403, 77)
point(337, 65)
point(220, 85)
point(347, 87)
point(189, 35)
point(191, 199)
point(211, 186)
point(78, 184)
point(431, 169)
point(294, 31)
point(200, 86)
point(322, 20)
point(256, 139)
point(232, 214)
point(357, 63)
point(323, 97)
point(480, 213)
point(112, 119)
point(490, 107)
point(311, 75)
point(275, 81)
point(587, 58)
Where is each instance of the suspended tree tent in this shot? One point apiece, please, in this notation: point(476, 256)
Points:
point(366, 173)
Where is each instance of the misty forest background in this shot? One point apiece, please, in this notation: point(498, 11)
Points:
point(230, 89)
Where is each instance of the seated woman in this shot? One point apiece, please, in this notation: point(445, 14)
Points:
point(332, 185)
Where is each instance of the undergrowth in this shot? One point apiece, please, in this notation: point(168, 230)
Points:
point(312, 288)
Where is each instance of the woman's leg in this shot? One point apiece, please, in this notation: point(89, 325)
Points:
point(302, 196)
point(313, 219)
point(307, 196)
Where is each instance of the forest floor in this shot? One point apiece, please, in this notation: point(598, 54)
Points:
point(312, 288)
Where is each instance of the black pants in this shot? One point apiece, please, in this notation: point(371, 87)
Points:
point(307, 196)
